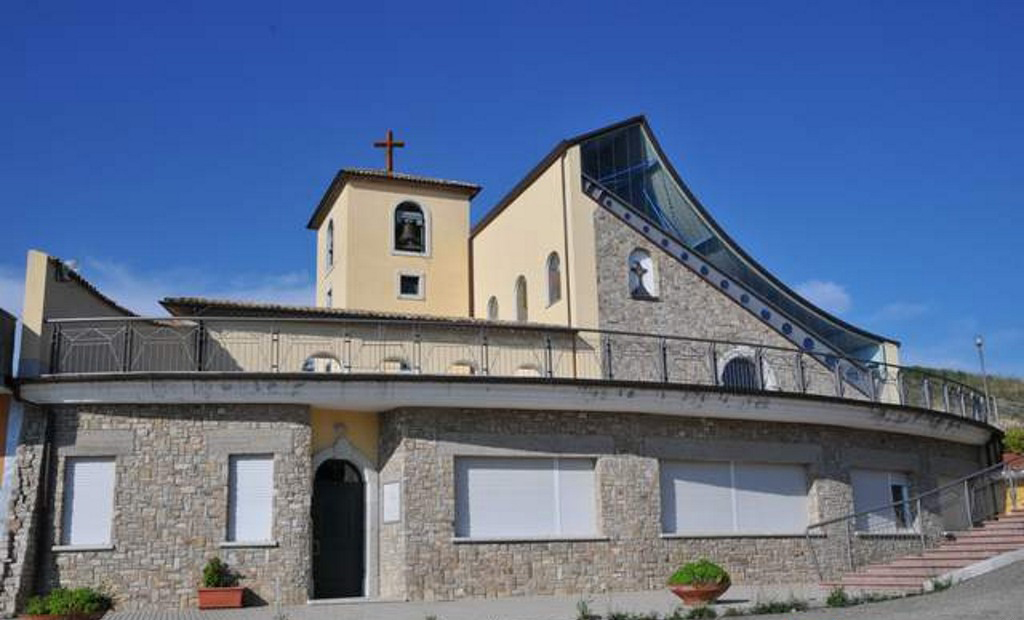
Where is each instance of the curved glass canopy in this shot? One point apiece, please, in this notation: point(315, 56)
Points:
point(626, 162)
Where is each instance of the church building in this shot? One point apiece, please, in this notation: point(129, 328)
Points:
point(587, 388)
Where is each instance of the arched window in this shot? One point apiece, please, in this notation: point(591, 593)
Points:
point(321, 362)
point(462, 368)
point(410, 228)
point(741, 373)
point(643, 283)
point(394, 364)
point(554, 278)
point(330, 243)
point(528, 370)
point(492, 309)
point(522, 314)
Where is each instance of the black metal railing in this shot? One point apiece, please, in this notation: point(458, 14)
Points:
point(914, 523)
point(369, 346)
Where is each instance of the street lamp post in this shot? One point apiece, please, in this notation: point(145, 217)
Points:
point(980, 343)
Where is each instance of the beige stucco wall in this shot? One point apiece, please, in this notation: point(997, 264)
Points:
point(366, 268)
point(48, 298)
point(332, 276)
point(360, 428)
point(519, 240)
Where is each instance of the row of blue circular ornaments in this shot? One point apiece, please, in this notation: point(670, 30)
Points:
point(744, 298)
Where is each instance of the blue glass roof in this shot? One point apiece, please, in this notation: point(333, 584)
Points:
point(627, 161)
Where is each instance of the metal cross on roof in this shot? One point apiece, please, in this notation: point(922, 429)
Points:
point(390, 144)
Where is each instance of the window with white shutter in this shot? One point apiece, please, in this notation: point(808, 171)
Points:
point(88, 510)
point(881, 499)
point(525, 497)
point(733, 498)
point(250, 498)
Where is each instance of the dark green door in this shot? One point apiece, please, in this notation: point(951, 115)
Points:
point(338, 530)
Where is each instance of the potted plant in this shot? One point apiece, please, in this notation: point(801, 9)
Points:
point(220, 586)
point(699, 582)
point(68, 604)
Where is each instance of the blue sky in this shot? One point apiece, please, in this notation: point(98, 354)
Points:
point(869, 153)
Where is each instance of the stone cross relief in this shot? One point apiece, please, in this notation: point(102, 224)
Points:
point(638, 271)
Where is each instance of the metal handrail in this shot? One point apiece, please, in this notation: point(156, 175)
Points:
point(911, 500)
point(511, 327)
point(918, 529)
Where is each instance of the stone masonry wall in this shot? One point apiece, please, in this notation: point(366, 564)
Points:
point(686, 306)
point(632, 554)
point(170, 506)
point(392, 535)
point(20, 545)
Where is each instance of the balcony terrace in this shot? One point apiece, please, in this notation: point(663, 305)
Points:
point(349, 348)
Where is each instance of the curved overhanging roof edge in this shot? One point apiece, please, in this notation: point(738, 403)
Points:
point(698, 208)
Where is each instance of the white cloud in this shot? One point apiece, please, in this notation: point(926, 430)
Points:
point(827, 295)
point(900, 311)
point(12, 289)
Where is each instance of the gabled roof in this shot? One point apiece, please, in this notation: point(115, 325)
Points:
point(543, 165)
point(66, 271)
point(186, 307)
point(348, 174)
point(641, 120)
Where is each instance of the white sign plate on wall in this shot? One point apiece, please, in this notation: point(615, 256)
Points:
point(391, 509)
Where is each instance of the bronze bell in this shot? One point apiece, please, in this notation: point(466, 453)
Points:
point(409, 235)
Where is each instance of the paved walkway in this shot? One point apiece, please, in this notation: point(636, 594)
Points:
point(514, 608)
point(996, 596)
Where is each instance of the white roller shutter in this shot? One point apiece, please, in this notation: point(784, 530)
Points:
point(696, 498)
point(577, 501)
point(524, 497)
point(250, 498)
point(88, 501)
point(727, 497)
point(872, 490)
point(770, 498)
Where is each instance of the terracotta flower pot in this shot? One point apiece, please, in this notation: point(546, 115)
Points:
point(220, 598)
point(699, 594)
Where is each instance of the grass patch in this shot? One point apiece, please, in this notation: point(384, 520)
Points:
point(779, 607)
point(938, 585)
point(700, 612)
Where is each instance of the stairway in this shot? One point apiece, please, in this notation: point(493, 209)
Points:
point(908, 574)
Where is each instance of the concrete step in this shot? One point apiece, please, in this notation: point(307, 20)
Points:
point(989, 538)
point(1015, 524)
point(945, 554)
point(971, 545)
point(918, 572)
point(887, 582)
point(914, 562)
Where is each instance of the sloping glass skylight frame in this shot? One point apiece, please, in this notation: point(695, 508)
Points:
point(626, 162)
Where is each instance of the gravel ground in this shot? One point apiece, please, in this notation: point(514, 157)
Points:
point(996, 596)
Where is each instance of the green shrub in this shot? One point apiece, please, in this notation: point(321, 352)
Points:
point(583, 609)
point(65, 601)
point(732, 612)
point(217, 574)
point(1014, 440)
point(839, 598)
point(938, 585)
point(779, 607)
point(700, 612)
point(701, 572)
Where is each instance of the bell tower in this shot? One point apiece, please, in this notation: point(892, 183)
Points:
point(393, 243)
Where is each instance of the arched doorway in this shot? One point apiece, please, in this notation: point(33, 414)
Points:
point(339, 528)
